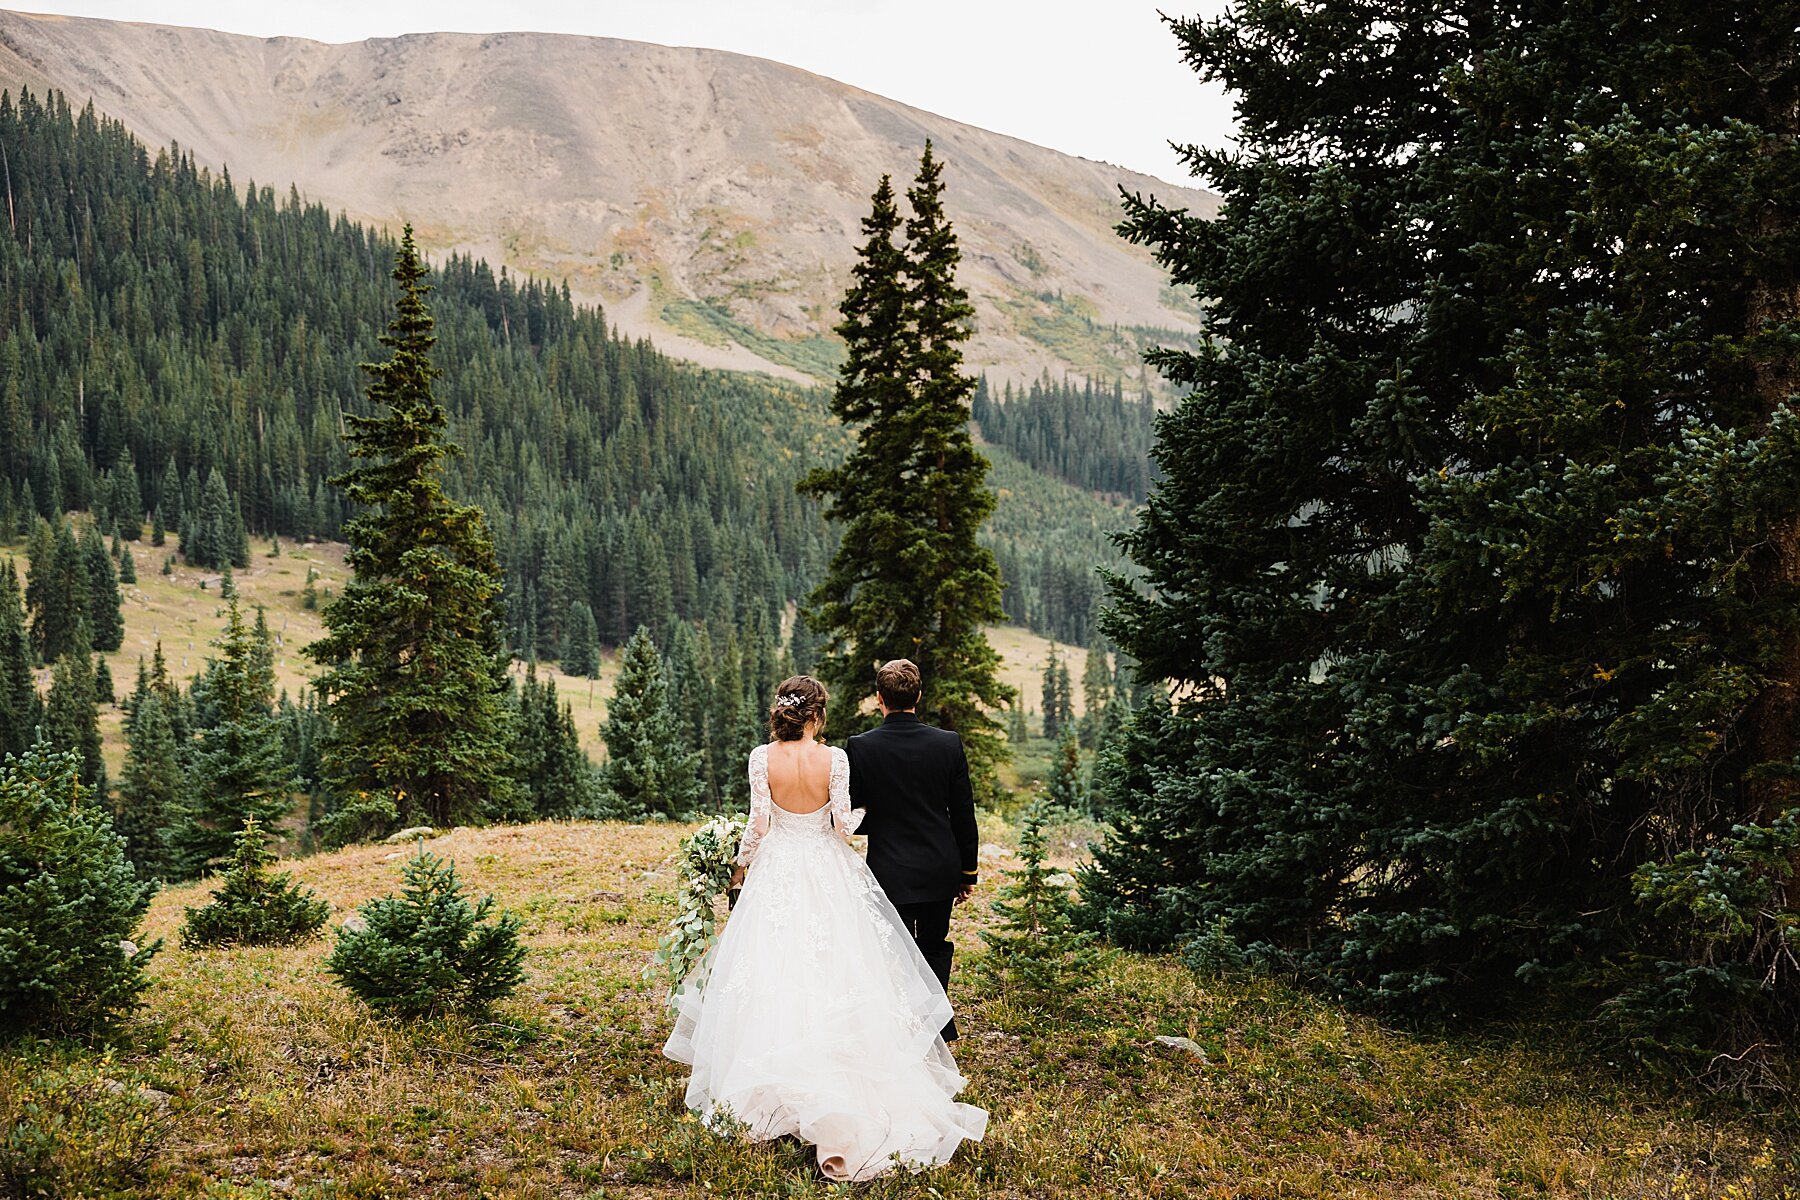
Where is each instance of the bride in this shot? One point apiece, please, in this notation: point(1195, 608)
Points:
point(815, 1014)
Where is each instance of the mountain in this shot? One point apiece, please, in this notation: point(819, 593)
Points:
point(710, 200)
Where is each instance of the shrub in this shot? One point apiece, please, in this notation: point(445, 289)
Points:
point(1037, 952)
point(362, 817)
point(70, 903)
point(74, 1129)
point(427, 950)
point(254, 906)
point(1733, 907)
point(1213, 952)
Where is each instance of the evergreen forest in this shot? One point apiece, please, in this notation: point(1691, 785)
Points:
point(178, 354)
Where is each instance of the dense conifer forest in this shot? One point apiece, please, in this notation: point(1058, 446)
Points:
point(1084, 433)
point(176, 351)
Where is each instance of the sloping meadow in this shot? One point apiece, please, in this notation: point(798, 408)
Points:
point(249, 1073)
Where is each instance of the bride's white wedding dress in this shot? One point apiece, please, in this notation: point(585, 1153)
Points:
point(815, 1014)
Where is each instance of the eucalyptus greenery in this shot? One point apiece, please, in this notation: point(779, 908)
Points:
point(705, 863)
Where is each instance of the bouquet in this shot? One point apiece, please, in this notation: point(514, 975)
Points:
point(705, 864)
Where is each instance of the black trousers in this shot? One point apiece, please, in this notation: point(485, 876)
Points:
point(929, 924)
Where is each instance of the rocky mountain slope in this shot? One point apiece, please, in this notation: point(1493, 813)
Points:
point(709, 200)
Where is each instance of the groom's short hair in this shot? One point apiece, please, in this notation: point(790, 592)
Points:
point(897, 681)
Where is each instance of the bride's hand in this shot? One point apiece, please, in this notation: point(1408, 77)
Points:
point(737, 877)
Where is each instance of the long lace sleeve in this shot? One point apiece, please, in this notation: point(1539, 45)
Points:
point(845, 817)
point(759, 806)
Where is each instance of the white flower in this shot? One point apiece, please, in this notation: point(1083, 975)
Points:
point(354, 923)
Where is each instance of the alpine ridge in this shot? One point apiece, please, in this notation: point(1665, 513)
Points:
point(710, 200)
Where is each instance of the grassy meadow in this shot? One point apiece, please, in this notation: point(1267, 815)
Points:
point(182, 610)
point(249, 1074)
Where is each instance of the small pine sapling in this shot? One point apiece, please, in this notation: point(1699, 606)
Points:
point(428, 950)
point(255, 906)
point(1038, 954)
point(70, 903)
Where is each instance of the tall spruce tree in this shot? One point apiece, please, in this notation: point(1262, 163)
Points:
point(1476, 560)
point(415, 676)
point(20, 710)
point(556, 779)
point(240, 769)
point(581, 646)
point(1064, 789)
point(1055, 695)
point(212, 541)
point(152, 791)
point(1096, 694)
point(650, 770)
point(56, 592)
point(72, 711)
point(909, 579)
point(106, 623)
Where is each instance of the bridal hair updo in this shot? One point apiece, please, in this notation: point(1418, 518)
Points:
point(798, 700)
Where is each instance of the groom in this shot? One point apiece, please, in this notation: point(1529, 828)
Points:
point(912, 781)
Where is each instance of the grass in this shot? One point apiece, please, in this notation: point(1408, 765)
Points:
point(183, 611)
point(816, 355)
point(270, 1081)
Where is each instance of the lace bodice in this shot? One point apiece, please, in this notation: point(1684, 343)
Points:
point(765, 814)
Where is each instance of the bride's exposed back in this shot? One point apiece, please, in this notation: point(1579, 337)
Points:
point(815, 1014)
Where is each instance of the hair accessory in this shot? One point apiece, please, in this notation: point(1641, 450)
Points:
point(789, 700)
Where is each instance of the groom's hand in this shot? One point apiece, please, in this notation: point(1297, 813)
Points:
point(968, 890)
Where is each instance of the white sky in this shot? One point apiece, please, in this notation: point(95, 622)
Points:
point(1098, 78)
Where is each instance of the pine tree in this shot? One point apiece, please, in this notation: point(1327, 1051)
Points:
point(213, 541)
point(127, 500)
point(1038, 956)
point(581, 649)
point(239, 539)
point(1476, 556)
point(72, 712)
point(415, 677)
point(1065, 790)
point(239, 769)
point(152, 792)
point(556, 780)
point(428, 950)
point(56, 592)
point(909, 579)
point(20, 710)
point(1017, 731)
point(70, 904)
point(649, 770)
point(254, 906)
point(1096, 695)
point(106, 623)
point(104, 691)
point(127, 567)
point(163, 684)
point(803, 646)
point(1052, 696)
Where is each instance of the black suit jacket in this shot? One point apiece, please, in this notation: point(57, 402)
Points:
point(912, 781)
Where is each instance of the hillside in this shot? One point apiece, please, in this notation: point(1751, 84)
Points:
point(182, 611)
point(710, 199)
point(220, 332)
point(267, 1080)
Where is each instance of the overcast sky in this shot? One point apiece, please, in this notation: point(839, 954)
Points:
point(1098, 78)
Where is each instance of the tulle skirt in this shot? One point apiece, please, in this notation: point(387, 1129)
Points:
point(815, 1015)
